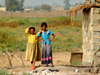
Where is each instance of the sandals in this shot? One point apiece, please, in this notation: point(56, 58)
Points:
point(33, 67)
point(46, 65)
point(51, 65)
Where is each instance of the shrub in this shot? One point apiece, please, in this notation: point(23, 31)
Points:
point(6, 39)
point(21, 22)
point(2, 72)
point(76, 63)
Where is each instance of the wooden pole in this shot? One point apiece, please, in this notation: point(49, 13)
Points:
point(17, 58)
point(45, 13)
point(57, 13)
point(14, 56)
point(33, 14)
point(8, 56)
point(20, 56)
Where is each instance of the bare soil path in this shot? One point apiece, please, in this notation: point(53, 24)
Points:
point(60, 59)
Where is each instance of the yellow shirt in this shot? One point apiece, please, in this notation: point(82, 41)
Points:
point(31, 38)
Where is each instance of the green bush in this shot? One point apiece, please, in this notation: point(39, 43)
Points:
point(6, 39)
point(26, 74)
point(21, 22)
point(2, 72)
point(76, 63)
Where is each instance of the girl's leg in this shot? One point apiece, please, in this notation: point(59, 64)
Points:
point(43, 55)
point(49, 53)
point(33, 65)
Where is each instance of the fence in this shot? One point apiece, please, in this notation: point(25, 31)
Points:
point(36, 14)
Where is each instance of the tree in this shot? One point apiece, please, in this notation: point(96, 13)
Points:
point(67, 4)
point(37, 8)
point(45, 7)
point(29, 7)
point(21, 4)
point(14, 5)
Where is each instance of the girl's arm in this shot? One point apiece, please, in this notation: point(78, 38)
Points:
point(52, 37)
point(39, 35)
point(39, 39)
point(27, 31)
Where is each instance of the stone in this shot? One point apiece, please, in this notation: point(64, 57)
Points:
point(96, 16)
point(46, 71)
point(34, 71)
point(87, 70)
point(95, 47)
point(95, 10)
point(4, 54)
point(84, 33)
point(96, 40)
point(96, 34)
point(14, 72)
point(96, 29)
point(96, 22)
point(76, 70)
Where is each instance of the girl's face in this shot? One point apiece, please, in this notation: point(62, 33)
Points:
point(44, 27)
point(32, 31)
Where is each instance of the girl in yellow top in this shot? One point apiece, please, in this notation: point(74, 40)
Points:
point(32, 51)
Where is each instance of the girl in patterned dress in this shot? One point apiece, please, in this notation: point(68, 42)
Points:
point(46, 45)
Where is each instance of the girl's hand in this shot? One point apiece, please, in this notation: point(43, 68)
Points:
point(42, 40)
point(50, 39)
point(40, 31)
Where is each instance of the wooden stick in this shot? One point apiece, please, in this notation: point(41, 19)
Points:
point(8, 56)
point(20, 56)
point(17, 58)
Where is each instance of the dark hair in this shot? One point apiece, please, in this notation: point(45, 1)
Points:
point(31, 28)
point(44, 23)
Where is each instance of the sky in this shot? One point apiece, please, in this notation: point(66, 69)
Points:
point(50, 2)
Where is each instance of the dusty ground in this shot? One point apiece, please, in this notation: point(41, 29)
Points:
point(60, 59)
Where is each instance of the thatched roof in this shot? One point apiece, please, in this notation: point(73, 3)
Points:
point(81, 7)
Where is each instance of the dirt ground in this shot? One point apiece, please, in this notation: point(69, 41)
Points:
point(60, 59)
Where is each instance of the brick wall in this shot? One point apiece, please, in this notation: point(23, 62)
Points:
point(37, 14)
point(91, 34)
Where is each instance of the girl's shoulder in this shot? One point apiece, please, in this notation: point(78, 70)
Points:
point(48, 31)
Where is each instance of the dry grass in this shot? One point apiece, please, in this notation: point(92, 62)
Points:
point(66, 39)
point(66, 22)
point(9, 24)
point(80, 7)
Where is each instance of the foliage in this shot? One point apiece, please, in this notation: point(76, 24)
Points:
point(37, 8)
point(45, 7)
point(67, 4)
point(3, 72)
point(14, 5)
point(29, 7)
point(26, 74)
point(67, 36)
point(76, 63)
point(21, 4)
